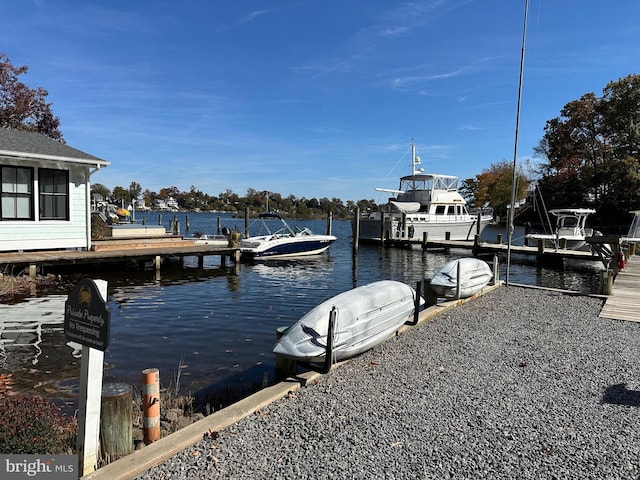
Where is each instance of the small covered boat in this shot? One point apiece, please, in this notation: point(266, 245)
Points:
point(363, 318)
point(461, 278)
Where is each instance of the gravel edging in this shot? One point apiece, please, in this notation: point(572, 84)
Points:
point(518, 383)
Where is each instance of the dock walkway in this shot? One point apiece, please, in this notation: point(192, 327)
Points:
point(624, 303)
point(124, 250)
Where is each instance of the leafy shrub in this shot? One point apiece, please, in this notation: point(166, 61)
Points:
point(32, 424)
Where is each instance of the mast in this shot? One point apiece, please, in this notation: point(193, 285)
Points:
point(510, 227)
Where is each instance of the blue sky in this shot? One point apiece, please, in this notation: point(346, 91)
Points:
point(311, 98)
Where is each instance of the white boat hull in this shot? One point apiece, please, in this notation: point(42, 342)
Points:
point(268, 247)
point(471, 274)
point(455, 229)
point(366, 316)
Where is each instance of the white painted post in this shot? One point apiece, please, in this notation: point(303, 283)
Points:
point(90, 401)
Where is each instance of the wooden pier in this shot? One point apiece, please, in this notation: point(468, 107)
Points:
point(624, 301)
point(479, 248)
point(141, 250)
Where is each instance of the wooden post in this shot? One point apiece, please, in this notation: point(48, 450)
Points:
point(219, 225)
point(382, 230)
point(478, 226)
point(329, 222)
point(425, 240)
point(158, 262)
point(176, 227)
point(151, 404)
point(285, 367)
point(186, 223)
point(246, 222)
point(144, 221)
point(499, 239)
point(606, 282)
point(356, 230)
point(404, 226)
point(116, 422)
point(476, 245)
point(159, 219)
point(416, 304)
point(33, 269)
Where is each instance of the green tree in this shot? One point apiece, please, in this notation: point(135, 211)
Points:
point(591, 152)
point(24, 108)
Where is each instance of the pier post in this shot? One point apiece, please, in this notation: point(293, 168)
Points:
point(496, 270)
point(329, 222)
point(116, 425)
point(219, 225)
point(382, 231)
point(476, 245)
point(158, 262)
point(499, 239)
point(186, 223)
point(606, 282)
point(246, 223)
point(425, 240)
point(356, 230)
point(159, 219)
point(144, 221)
point(151, 404)
point(478, 225)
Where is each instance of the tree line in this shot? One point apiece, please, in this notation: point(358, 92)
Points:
point(229, 201)
point(588, 157)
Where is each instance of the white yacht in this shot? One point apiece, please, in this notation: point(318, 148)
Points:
point(424, 203)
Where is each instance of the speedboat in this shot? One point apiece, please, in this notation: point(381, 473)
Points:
point(570, 231)
point(286, 241)
point(461, 278)
point(364, 317)
point(424, 203)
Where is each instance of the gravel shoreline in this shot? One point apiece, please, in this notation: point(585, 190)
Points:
point(519, 383)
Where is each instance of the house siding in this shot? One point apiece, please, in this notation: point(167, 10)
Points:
point(52, 234)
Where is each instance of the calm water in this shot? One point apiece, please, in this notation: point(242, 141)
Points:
point(209, 326)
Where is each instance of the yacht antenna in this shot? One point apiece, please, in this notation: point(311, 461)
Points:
point(515, 147)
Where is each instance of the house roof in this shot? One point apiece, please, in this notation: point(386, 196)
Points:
point(18, 144)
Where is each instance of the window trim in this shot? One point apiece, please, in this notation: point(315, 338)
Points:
point(16, 194)
point(55, 175)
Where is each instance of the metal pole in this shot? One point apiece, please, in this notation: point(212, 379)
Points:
point(515, 147)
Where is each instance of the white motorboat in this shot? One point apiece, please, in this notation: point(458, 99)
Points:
point(286, 241)
point(364, 317)
point(424, 203)
point(461, 278)
point(570, 231)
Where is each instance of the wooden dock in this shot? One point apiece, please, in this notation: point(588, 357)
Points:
point(123, 250)
point(624, 302)
point(486, 248)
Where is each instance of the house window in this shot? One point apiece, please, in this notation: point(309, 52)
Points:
point(54, 194)
point(16, 195)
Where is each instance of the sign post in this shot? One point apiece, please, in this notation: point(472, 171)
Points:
point(87, 322)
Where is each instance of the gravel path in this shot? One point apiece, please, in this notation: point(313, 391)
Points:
point(519, 383)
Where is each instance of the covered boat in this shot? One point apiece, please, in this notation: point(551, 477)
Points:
point(461, 278)
point(364, 317)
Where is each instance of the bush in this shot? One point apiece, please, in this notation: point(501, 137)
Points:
point(33, 425)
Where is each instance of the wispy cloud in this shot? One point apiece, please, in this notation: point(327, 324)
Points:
point(242, 20)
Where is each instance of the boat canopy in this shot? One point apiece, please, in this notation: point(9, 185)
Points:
point(270, 215)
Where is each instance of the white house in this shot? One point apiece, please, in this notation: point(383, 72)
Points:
point(44, 193)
